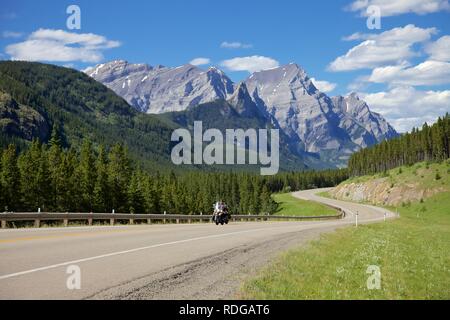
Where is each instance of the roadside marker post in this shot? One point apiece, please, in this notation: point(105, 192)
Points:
point(384, 216)
point(356, 219)
point(111, 221)
point(37, 222)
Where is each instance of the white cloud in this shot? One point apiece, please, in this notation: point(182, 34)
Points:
point(235, 45)
point(440, 49)
point(369, 55)
point(356, 36)
point(427, 73)
point(69, 65)
point(200, 61)
point(408, 35)
point(324, 86)
point(392, 46)
point(11, 34)
point(398, 7)
point(250, 64)
point(405, 107)
point(61, 46)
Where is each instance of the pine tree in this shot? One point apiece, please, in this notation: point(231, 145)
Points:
point(118, 177)
point(267, 203)
point(9, 179)
point(34, 178)
point(100, 199)
point(87, 175)
point(55, 166)
point(135, 194)
point(69, 197)
point(150, 195)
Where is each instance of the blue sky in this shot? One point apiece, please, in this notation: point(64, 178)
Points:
point(402, 70)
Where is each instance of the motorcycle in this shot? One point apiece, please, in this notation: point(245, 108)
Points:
point(221, 217)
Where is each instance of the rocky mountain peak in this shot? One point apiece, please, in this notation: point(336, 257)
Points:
point(356, 117)
point(162, 89)
point(243, 102)
point(332, 128)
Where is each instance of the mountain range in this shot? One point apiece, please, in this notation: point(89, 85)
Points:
point(323, 131)
point(37, 98)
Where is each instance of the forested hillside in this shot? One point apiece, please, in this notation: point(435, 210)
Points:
point(36, 97)
point(221, 115)
point(100, 179)
point(431, 143)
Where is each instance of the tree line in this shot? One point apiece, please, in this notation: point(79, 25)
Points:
point(431, 143)
point(100, 179)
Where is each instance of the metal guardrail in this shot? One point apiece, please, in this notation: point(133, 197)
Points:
point(38, 217)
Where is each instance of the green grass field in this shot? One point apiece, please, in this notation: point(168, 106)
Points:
point(291, 206)
point(412, 252)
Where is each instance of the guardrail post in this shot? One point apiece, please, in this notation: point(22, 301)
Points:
point(149, 221)
point(111, 221)
point(66, 222)
point(178, 221)
point(131, 220)
point(90, 221)
point(3, 224)
point(37, 223)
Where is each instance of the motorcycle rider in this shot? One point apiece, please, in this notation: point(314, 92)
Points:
point(219, 208)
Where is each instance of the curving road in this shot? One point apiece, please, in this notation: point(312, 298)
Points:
point(185, 261)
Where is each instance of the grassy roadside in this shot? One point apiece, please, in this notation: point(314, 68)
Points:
point(412, 252)
point(421, 174)
point(288, 205)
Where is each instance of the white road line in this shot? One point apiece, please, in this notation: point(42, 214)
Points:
point(6, 276)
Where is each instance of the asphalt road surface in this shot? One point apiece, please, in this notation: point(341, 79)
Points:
point(184, 261)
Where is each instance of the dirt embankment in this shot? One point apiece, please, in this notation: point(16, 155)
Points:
point(382, 191)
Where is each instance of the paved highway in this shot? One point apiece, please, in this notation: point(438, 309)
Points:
point(170, 261)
